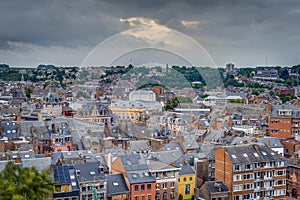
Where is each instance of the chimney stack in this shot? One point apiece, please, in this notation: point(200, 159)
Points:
point(268, 143)
point(296, 158)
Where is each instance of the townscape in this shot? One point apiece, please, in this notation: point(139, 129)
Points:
point(151, 133)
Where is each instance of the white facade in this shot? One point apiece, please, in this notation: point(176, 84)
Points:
point(142, 95)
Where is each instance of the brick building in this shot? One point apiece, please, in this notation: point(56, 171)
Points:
point(251, 171)
point(284, 122)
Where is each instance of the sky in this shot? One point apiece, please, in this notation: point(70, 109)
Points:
point(109, 32)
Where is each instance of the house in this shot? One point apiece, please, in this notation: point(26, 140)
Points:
point(251, 171)
point(66, 185)
point(139, 179)
point(91, 180)
point(213, 190)
point(116, 187)
point(166, 176)
point(293, 178)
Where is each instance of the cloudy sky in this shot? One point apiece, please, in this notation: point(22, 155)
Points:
point(104, 32)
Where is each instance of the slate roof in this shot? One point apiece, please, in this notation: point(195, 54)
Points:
point(136, 169)
point(139, 146)
point(156, 165)
point(295, 111)
point(87, 109)
point(10, 130)
point(249, 154)
point(116, 185)
point(173, 146)
point(213, 186)
point(66, 175)
point(167, 156)
point(89, 172)
point(274, 142)
point(38, 163)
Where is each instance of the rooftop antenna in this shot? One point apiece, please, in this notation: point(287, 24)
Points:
point(266, 61)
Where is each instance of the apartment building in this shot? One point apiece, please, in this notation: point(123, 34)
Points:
point(251, 171)
point(284, 122)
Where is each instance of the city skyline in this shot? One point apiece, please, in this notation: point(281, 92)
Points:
point(63, 32)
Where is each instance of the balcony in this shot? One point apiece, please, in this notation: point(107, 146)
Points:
point(258, 189)
point(268, 178)
point(258, 179)
point(267, 188)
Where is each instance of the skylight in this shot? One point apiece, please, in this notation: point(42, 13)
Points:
point(233, 155)
point(73, 183)
point(255, 154)
point(115, 183)
point(264, 153)
point(245, 155)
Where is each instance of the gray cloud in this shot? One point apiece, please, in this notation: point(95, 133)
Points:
point(237, 31)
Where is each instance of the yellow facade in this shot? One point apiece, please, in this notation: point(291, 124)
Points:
point(186, 186)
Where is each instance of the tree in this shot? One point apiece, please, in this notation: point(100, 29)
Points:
point(28, 92)
point(24, 183)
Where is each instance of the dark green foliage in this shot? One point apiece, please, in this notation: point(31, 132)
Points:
point(24, 183)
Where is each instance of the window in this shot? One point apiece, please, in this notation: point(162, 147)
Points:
point(143, 197)
point(165, 196)
point(237, 177)
point(157, 175)
point(149, 197)
point(248, 196)
point(248, 176)
point(136, 198)
point(172, 184)
point(236, 167)
point(136, 187)
point(172, 195)
point(248, 166)
point(157, 196)
point(164, 185)
point(172, 174)
point(237, 187)
point(143, 187)
point(149, 186)
point(248, 186)
point(178, 180)
point(157, 186)
point(184, 179)
point(191, 178)
point(238, 197)
point(165, 174)
point(187, 189)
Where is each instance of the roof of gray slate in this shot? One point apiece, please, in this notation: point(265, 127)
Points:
point(89, 172)
point(190, 142)
point(295, 111)
point(156, 165)
point(116, 185)
point(167, 156)
point(274, 142)
point(136, 169)
point(185, 163)
point(249, 154)
point(88, 108)
point(10, 130)
point(139, 146)
point(38, 163)
point(213, 186)
point(66, 175)
point(173, 146)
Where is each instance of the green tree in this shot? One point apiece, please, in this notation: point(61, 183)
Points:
point(19, 183)
point(28, 92)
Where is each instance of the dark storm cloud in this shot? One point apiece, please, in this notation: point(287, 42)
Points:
point(229, 29)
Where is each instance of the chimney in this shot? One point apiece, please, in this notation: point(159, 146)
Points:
point(268, 143)
point(296, 158)
point(109, 161)
point(256, 146)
